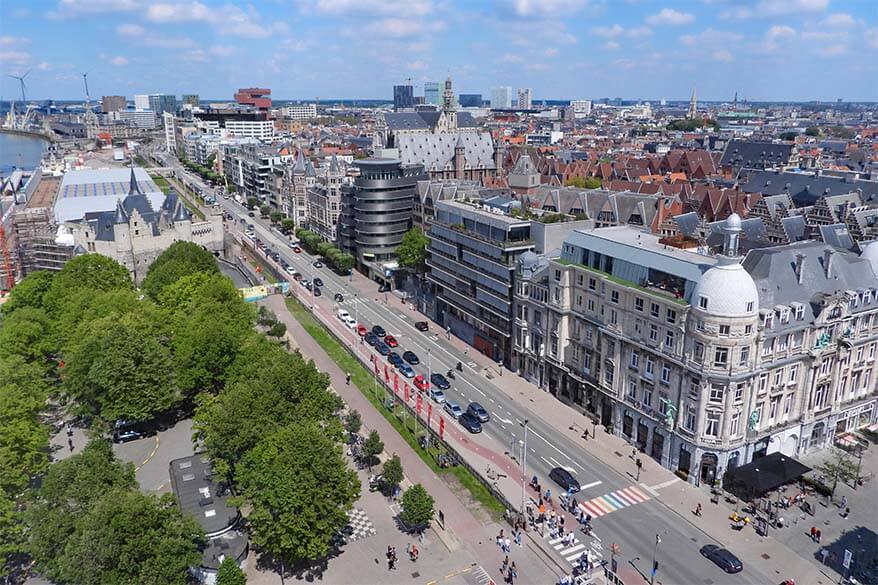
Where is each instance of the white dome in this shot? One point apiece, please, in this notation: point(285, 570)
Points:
point(733, 222)
point(726, 290)
point(870, 253)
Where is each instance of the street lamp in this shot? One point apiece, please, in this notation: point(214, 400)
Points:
point(658, 540)
point(524, 468)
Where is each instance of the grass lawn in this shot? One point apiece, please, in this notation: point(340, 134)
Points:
point(141, 162)
point(363, 379)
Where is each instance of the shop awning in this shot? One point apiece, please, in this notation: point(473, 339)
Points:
point(763, 475)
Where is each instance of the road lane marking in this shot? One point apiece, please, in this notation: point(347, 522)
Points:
point(503, 420)
point(590, 485)
point(664, 484)
point(544, 459)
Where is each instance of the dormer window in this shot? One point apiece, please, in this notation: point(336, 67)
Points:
point(702, 302)
point(785, 316)
point(800, 312)
point(769, 320)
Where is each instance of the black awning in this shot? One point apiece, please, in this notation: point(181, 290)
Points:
point(763, 475)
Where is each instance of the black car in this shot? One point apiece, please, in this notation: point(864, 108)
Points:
point(339, 298)
point(394, 358)
point(440, 381)
point(317, 292)
point(565, 479)
point(371, 338)
point(723, 558)
point(411, 357)
point(382, 347)
point(478, 411)
point(318, 281)
point(379, 331)
point(470, 423)
point(125, 430)
point(422, 326)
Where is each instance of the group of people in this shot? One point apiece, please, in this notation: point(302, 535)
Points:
point(508, 570)
point(391, 558)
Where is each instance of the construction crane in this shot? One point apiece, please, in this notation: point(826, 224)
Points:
point(7, 272)
point(90, 121)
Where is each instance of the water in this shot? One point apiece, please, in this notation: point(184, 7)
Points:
point(19, 152)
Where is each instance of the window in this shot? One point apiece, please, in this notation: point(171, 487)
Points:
point(794, 373)
point(669, 339)
point(592, 284)
point(773, 405)
point(797, 340)
point(759, 408)
point(721, 356)
point(663, 403)
point(614, 296)
point(586, 362)
point(763, 382)
point(785, 316)
point(768, 321)
point(748, 329)
point(778, 377)
point(745, 356)
point(653, 333)
point(671, 316)
point(654, 309)
point(712, 427)
point(635, 359)
point(556, 295)
point(739, 391)
point(788, 404)
point(647, 396)
point(608, 374)
point(579, 279)
point(694, 388)
point(800, 312)
point(613, 317)
point(558, 275)
point(872, 352)
point(699, 351)
point(716, 393)
point(689, 419)
point(632, 388)
point(860, 353)
point(768, 347)
point(749, 306)
point(649, 371)
point(724, 329)
point(638, 304)
point(554, 345)
point(826, 366)
point(782, 342)
point(735, 424)
point(666, 374)
point(578, 300)
point(702, 302)
point(591, 305)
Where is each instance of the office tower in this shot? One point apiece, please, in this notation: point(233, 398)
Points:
point(403, 97)
point(256, 97)
point(162, 102)
point(470, 100)
point(141, 102)
point(501, 98)
point(433, 93)
point(113, 103)
point(191, 99)
point(524, 98)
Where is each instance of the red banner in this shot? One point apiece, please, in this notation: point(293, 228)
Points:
point(419, 405)
point(441, 427)
point(429, 413)
point(406, 388)
point(386, 374)
point(396, 383)
point(377, 371)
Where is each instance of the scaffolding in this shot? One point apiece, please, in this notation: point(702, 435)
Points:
point(34, 230)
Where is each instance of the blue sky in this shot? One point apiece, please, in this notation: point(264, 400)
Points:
point(302, 49)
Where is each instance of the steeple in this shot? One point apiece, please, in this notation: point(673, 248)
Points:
point(121, 216)
point(180, 214)
point(693, 106)
point(133, 188)
point(333, 165)
point(300, 163)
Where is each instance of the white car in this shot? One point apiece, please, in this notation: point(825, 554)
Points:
point(346, 318)
point(291, 271)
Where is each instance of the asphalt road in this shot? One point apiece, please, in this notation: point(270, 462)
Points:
point(633, 528)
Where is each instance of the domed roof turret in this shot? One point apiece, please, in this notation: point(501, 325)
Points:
point(726, 290)
point(528, 259)
point(870, 253)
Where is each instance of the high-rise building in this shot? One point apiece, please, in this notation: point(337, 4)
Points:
point(141, 102)
point(432, 93)
point(257, 97)
point(113, 103)
point(162, 102)
point(191, 99)
point(470, 100)
point(403, 97)
point(582, 107)
point(501, 98)
point(524, 98)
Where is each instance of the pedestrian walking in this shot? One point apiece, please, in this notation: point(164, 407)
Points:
point(389, 556)
point(818, 536)
point(844, 502)
point(518, 538)
point(780, 521)
point(562, 521)
point(505, 565)
point(69, 430)
point(70, 443)
point(698, 510)
point(348, 379)
point(814, 533)
point(507, 546)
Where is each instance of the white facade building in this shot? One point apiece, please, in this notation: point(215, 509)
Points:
point(259, 129)
point(141, 102)
point(300, 112)
point(145, 119)
point(501, 98)
point(170, 134)
point(581, 107)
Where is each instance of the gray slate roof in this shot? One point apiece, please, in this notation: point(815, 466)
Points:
point(423, 120)
point(755, 155)
point(806, 188)
point(436, 151)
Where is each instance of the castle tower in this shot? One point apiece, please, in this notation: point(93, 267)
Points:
point(459, 157)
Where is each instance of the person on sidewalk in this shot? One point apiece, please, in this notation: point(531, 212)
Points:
point(843, 503)
point(698, 509)
point(505, 565)
point(507, 546)
point(818, 536)
point(846, 513)
point(347, 379)
point(814, 533)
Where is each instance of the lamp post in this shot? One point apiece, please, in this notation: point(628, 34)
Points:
point(524, 468)
point(658, 540)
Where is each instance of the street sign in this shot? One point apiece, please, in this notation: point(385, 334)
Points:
point(848, 557)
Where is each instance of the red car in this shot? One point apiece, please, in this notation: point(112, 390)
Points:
point(391, 341)
point(421, 383)
point(297, 250)
point(362, 331)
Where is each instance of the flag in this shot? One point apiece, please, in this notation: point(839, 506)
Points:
point(441, 427)
point(377, 371)
point(406, 389)
point(396, 383)
point(429, 413)
point(419, 405)
point(386, 374)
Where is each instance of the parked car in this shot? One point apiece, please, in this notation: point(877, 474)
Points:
point(478, 411)
point(437, 395)
point(411, 357)
point(440, 381)
point(317, 264)
point(379, 330)
point(391, 341)
point(394, 358)
point(317, 291)
point(565, 479)
point(361, 330)
point(422, 326)
point(406, 370)
point(453, 409)
point(297, 249)
point(318, 281)
point(346, 318)
point(470, 423)
point(371, 338)
point(128, 430)
point(723, 558)
point(339, 298)
point(290, 270)
point(421, 383)
point(382, 347)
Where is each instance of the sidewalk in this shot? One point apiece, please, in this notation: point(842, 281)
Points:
point(462, 529)
point(766, 554)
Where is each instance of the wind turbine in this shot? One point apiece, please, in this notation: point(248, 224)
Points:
point(20, 79)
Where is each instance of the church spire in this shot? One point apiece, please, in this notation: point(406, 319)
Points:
point(133, 188)
point(693, 106)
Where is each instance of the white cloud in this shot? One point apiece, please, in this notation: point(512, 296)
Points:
point(399, 28)
point(43, 66)
point(221, 51)
point(417, 66)
point(769, 8)
point(871, 36)
point(780, 31)
point(610, 46)
point(625, 63)
point(711, 38)
point(228, 19)
point(833, 50)
point(375, 7)
point(527, 8)
point(130, 30)
point(616, 31)
point(639, 32)
point(671, 17)
point(567, 39)
point(722, 55)
point(151, 39)
point(119, 60)
point(15, 57)
point(10, 41)
point(551, 52)
point(840, 20)
point(76, 8)
point(510, 58)
point(536, 67)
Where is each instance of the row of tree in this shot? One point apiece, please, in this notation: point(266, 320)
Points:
point(341, 262)
point(205, 173)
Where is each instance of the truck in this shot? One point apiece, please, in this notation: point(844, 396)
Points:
point(118, 154)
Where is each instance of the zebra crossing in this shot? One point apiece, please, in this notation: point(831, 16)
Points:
point(572, 551)
point(608, 503)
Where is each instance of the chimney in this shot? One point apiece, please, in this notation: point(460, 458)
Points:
point(800, 267)
point(827, 261)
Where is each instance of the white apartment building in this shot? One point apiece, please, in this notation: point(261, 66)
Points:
point(141, 102)
point(300, 112)
point(138, 118)
point(260, 129)
point(170, 132)
point(704, 362)
point(501, 98)
point(525, 98)
point(581, 107)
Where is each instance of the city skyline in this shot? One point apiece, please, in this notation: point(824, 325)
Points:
point(764, 50)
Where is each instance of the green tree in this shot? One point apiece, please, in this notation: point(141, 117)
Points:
point(417, 506)
point(230, 573)
point(12, 535)
point(277, 330)
point(372, 447)
point(276, 216)
point(287, 225)
point(264, 210)
point(89, 272)
point(130, 537)
point(252, 203)
point(67, 491)
point(584, 182)
point(412, 251)
point(789, 136)
point(24, 439)
point(29, 292)
point(392, 472)
point(838, 467)
point(211, 158)
point(812, 131)
point(28, 333)
point(353, 422)
point(179, 260)
point(299, 489)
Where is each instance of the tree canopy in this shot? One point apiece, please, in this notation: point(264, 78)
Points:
point(693, 124)
point(181, 259)
point(230, 573)
point(584, 182)
point(90, 273)
point(412, 251)
point(29, 292)
point(417, 506)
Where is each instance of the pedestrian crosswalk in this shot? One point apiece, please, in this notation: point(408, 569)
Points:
point(573, 550)
point(607, 503)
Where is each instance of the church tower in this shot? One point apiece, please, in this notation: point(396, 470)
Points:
point(693, 106)
point(448, 106)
